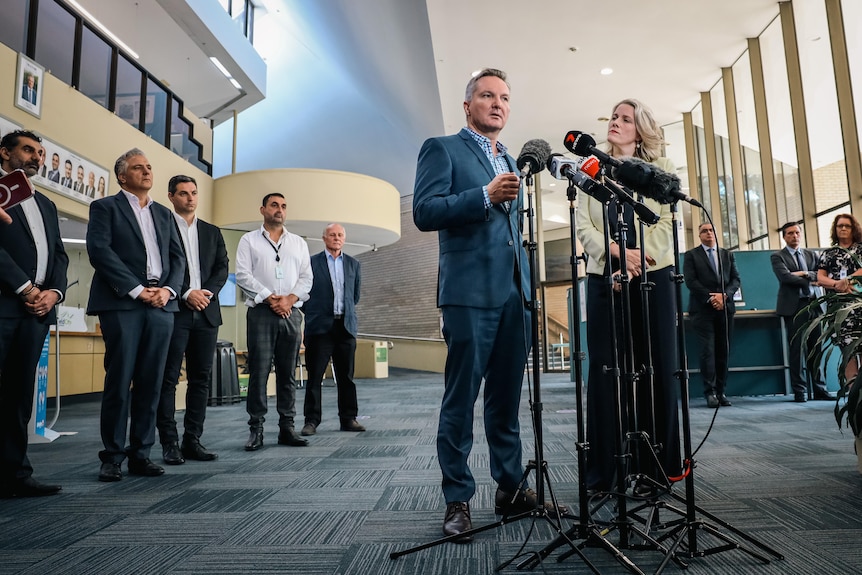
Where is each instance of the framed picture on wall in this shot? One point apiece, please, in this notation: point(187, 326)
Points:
point(28, 86)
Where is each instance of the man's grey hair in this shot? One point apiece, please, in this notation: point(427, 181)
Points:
point(484, 73)
point(122, 163)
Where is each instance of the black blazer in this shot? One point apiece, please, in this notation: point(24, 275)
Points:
point(118, 256)
point(18, 259)
point(783, 265)
point(319, 312)
point(212, 255)
point(701, 280)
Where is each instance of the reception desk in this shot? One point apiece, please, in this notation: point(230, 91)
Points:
point(82, 363)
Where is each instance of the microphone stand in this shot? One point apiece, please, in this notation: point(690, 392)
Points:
point(538, 464)
point(687, 530)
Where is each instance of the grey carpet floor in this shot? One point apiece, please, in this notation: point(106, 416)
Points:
point(777, 472)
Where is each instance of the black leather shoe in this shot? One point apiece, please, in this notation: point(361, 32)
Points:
point(28, 487)
point(308, 429)
point(711, 401)
point(799, 397)
point(171, 453)
point(110, 472)
point(823, 396)
point(145, 468)
point(192, 449)
point(351, 425)
point(508, 503)
point(723, 401)
point(255, 440)
point(289, 437)
point(457, 520)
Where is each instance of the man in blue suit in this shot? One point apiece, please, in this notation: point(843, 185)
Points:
point(139, 265)
point(330, 330)
point(467, 191)
point(32, 283)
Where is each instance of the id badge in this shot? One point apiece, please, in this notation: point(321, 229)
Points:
point(279, 273)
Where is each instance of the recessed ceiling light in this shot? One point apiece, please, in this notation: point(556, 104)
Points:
point(607, 71)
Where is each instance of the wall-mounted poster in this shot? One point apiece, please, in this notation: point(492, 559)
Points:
point(66, 172)
point(28, 86)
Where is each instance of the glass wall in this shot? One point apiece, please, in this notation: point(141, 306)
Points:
point(13, 25)
point(821, 104)
point(55, 40)
point(95, 77)
point(785, 164)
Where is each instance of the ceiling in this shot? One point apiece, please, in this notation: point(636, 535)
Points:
point(358, 86)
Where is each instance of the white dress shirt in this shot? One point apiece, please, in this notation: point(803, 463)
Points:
point(264, 267)
point(151, 242)
point(189, 237)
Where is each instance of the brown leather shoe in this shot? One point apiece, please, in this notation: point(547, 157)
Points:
point(351, 425)
point(288, 436)
point(457, 520)
point(308, 429)
point(507, 503)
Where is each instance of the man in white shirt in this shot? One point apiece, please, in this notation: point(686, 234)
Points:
point(273, 270)
point(195, 327)
point(32, 283)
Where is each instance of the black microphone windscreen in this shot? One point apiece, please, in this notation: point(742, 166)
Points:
point(665, 187)
point(584, 144)
point(634, 173)
point(535, 154)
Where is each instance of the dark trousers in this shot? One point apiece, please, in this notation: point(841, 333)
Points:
point(661, 423)
point(714, 329)
point(194, 338)
point(21, 341)
point(490, 343)
point(339, 345)
point(272, 339)
point(793, 324)
point(136, 347)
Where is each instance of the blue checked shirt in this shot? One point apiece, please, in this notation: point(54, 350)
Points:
point(498, 162)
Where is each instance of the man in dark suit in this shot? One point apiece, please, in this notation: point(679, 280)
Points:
point(467, 191)
point(28, 90)
point(32, 282)
point(139, 264)
point(66, 180)
point(195, 326)
point(711, 310)
point(330, 330)
point(54, 172)
point(796, 270)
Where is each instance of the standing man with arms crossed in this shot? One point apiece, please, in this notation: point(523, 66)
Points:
point(32, 283)
point(467, 191)
point(711, 309)
point(195, 326)
point(796, 270)
point(274, 272)
point(139, 265)
point(330, 330)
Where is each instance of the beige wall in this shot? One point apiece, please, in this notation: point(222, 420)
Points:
point(84, 127)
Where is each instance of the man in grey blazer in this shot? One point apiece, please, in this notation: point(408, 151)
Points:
point(33, 281)
point(330, 330)
point(796, 270)
point(135, 251)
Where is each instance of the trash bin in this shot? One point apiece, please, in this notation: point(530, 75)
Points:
point(224, 385)
point(371, 360)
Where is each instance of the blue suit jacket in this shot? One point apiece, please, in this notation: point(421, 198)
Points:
point(18, 259)
point(479, 248)
point(117, 253)
point(319, 312)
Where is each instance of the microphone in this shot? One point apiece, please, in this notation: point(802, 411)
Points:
point(533, 156)
point(582, 144)
point(561, 167)
point(652, 182)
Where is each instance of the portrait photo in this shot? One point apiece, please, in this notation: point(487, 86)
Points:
point(28, 86)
